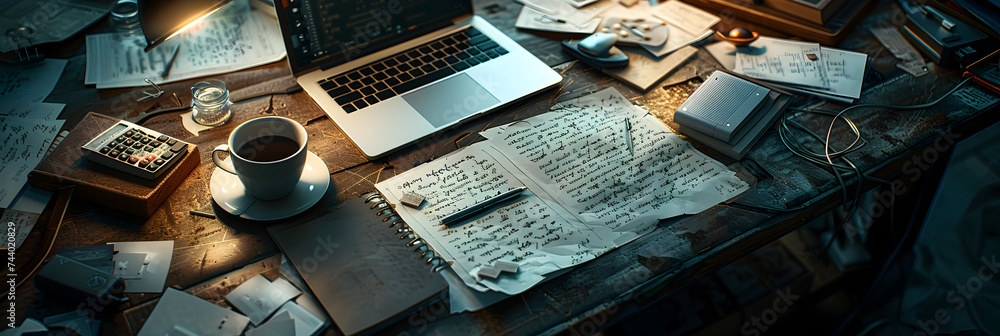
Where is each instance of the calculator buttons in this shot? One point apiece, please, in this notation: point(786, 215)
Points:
point(136, 150)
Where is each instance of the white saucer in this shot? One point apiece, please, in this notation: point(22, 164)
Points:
point(229, 193)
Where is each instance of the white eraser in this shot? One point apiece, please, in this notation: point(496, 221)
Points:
point(506, 266)
point(411, 200)
point(489, 272)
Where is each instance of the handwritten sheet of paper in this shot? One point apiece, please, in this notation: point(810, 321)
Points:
point(232, 39)
point(30, 110)
point(23, 222)
point(540, 243)
point(587, 193)
point(613, 189)
point(23, 143)
point(845, 70)
point(25, 211)
point(30, 83)
point(783, 61)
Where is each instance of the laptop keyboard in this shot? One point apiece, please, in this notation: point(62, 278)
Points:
point(408, 70)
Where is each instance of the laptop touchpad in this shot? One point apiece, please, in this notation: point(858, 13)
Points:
point(449, 100)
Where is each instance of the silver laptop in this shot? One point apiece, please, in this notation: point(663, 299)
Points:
point(391, 72)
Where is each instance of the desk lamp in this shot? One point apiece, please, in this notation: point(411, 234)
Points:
point(163, 19)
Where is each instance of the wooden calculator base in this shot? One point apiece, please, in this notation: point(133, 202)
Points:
point(103, 185)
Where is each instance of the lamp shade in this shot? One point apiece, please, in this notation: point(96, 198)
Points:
point(162, 19)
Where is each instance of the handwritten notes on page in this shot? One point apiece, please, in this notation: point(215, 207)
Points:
point(620, 195)
point(232, 39)
point(23, 143)
point(29, 110)
point(804, 67)
point(784, 61)
point(525, 230)
point(30, 83)
point(588, 193)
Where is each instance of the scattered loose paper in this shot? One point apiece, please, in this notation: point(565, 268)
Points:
point(48, 21)
point(154, 266)
point(783, 61)
point(890, 37)
point(180, 313)
point(689, 18)
point(25, 211)
point(24, 143)
point(724, 52)
point(23, 222)
point(237, 37)
point(587, 192)
point(30, 110)
point(533, 19)
point(30, 83)
point(258, 297)
point(804, 67)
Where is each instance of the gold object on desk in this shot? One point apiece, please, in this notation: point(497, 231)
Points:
point(739, 37)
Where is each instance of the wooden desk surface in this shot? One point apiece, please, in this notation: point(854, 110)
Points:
point(581, 301)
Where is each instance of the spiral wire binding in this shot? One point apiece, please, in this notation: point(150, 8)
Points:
point(381, 208)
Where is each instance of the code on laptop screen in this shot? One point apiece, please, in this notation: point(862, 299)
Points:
point(325, 33)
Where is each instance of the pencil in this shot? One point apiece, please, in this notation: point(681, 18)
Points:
point(480, 206)
point(170, 63)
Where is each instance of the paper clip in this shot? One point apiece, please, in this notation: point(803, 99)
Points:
point(16, 35)
point(151, 95)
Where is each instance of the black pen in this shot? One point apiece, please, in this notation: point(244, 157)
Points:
point(480, 206)
point(170, 63)
point(628, 137)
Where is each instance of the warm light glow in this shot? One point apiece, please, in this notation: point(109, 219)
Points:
point(193, 23)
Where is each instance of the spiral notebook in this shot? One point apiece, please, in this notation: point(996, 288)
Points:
point(362, 263)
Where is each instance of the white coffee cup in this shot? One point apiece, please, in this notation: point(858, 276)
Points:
point(267, 154)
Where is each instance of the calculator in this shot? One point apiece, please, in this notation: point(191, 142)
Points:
point(136, 150)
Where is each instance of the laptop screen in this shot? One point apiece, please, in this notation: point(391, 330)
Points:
point(326, 33)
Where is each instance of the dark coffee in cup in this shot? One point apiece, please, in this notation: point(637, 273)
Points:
point(268, 148)
point(267, 154)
